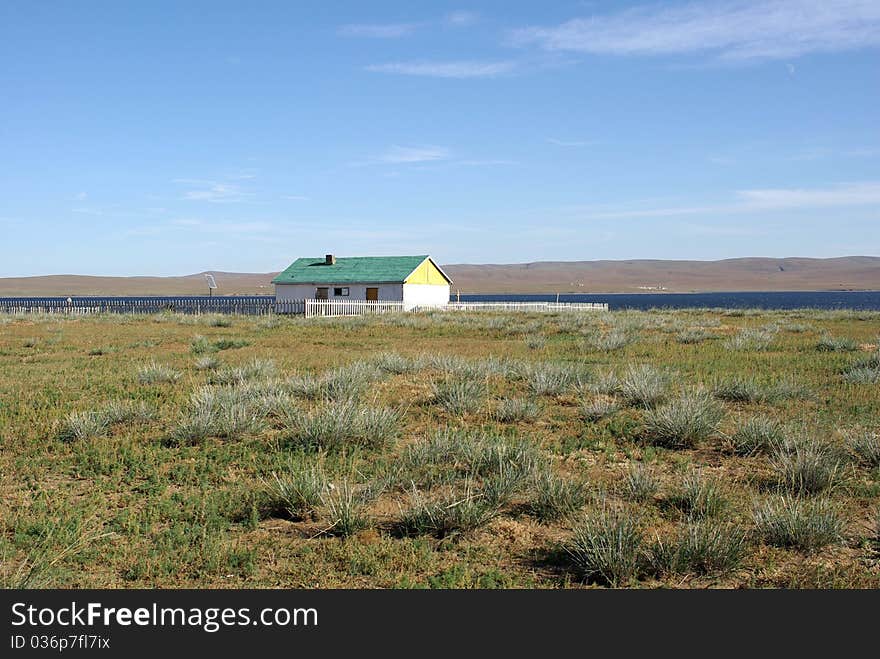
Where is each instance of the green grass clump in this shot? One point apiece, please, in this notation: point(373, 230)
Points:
point(751, 390)
point(605, 384)
point(612, 340)
point(758, 434)
point(80, 426)
point(229, 344)
point(806, 466)
point(226, 412)
point(804, 524)
point(641, 484)
point(391, 362)
point(751, 340)
point(643, 386)
point(340, 425)
point(830, 343)
point(554, 497)
point(297, 490)
point(701, 547)
point(457, 510)
point(345, 383)
point(699, 497)
point(607, 546)
point(458, 396)
point(865, 447)
point(253, 370)
point(448, 454)
point(864, 371)
point(201, 345)
point(692, 336)
point(511, 410)
point(862, 375)
point(536, 342)
point(345, 505)
point(548, 379)
point(154, 373)
point(683, 422)
point(127, 411)
point(207, 363)
point(598, 408)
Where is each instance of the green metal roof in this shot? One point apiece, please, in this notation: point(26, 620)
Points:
point(350, 270)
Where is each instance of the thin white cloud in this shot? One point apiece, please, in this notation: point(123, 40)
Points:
point(81, 196)
point(845, 194)
point(731, 30)
point(759, 200)
point(455, 69)
point(295, 197)
point(569, 143)
point(462, 18)
point(397, 155)
point(378, 30)
point(186, 224)
point(488, 162)
point(212, 191)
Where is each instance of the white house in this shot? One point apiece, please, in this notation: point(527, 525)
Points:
point(413, 280)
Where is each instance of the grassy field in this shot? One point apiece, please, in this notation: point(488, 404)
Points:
point(673, 449)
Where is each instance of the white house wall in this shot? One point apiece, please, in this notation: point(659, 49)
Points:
point(387, 292)
point(429, 295)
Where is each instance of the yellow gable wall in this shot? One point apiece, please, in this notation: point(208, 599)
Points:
point(426, 273)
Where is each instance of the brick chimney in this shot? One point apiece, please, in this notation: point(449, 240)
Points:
point(329, 260)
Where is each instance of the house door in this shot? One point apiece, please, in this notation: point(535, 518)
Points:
point(372, 295)
point(321, 293)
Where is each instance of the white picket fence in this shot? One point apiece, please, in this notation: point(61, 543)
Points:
point(349, 307)
point(313, 308)
point(526, 306)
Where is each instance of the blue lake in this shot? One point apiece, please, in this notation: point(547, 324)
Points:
point(860, 300)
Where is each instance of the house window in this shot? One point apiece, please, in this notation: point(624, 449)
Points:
point(321, 293)
point(340, 292)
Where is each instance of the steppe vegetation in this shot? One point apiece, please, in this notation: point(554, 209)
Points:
point(699, 448)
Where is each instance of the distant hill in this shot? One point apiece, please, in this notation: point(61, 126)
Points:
point(744, 274)
point(228, 283)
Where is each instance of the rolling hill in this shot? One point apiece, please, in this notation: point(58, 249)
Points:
point(742, 274)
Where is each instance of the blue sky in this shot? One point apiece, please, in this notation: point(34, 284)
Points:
point(175, 137)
